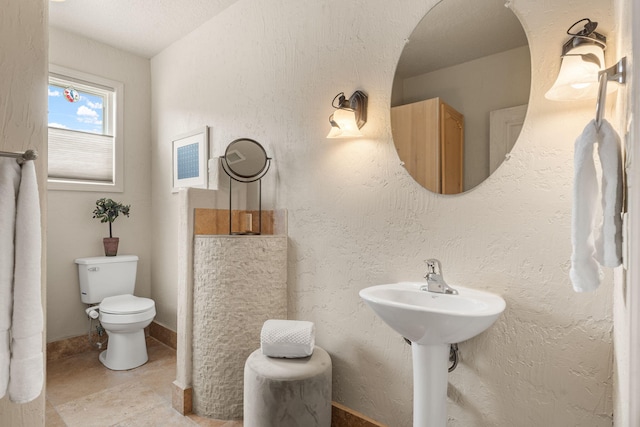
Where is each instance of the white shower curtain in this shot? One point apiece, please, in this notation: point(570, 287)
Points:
point(21, 316)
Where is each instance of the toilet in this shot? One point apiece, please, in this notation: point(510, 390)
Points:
point(108, 284)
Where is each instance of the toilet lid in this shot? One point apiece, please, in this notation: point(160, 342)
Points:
point(125, 304)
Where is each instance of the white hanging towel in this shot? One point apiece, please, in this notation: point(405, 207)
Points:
point(9, 184)
point(589, 252)
point(26, 374)
point(609, 236)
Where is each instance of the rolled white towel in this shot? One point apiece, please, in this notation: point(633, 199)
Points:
point(287, 338)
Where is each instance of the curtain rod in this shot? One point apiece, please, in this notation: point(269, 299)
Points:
point(21, 157)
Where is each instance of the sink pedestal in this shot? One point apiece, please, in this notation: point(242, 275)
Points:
point(430, 381)
point(431, 321)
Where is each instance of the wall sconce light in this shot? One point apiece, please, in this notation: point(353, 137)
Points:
point(582, 60)
point(582, 73)
point(350, 115)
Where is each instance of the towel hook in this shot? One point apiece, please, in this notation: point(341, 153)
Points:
point(615, 73)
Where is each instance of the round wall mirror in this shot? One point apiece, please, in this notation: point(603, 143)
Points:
point(460, 94)
point(245, 160)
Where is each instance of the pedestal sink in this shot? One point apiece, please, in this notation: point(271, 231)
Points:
point(432, 322)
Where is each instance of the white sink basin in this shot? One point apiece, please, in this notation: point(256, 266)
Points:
point(429, 318)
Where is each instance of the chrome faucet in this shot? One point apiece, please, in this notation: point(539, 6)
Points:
point(435, 281)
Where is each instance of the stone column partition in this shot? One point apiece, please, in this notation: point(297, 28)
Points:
point(239, 283)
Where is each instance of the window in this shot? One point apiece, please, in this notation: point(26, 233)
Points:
point(85, 132)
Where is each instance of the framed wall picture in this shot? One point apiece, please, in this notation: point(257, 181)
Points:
point(190, 156)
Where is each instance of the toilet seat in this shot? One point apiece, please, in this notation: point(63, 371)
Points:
point(126, 304)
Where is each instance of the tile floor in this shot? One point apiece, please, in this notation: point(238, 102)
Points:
point(82, 392)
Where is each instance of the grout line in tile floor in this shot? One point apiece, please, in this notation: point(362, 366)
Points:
point(82, 392)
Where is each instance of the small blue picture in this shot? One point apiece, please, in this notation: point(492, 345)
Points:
point(188, 161)
point(190, 154)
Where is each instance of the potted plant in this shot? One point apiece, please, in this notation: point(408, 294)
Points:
point(107, 211)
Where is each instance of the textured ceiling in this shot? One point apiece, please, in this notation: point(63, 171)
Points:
point(457, 31)
point(144, 27)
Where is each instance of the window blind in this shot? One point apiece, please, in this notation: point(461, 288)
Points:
point(80, 156)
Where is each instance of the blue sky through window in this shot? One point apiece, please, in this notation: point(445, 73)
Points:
point(85, 115)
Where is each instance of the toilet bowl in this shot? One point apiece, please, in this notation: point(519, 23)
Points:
point(124, 317)
point(109, 282)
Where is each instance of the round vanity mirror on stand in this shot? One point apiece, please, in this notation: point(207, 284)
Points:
point(246, 161)
point(460, 94)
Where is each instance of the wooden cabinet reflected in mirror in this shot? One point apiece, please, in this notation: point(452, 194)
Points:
point(429, 137)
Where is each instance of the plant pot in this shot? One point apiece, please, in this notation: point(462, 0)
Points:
point(110, 246)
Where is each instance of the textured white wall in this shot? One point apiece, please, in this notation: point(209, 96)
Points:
point(73, 233)
point(239, 283)
point(269, 71)
point(23, 110)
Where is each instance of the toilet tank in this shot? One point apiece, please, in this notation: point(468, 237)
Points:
point(106, 276)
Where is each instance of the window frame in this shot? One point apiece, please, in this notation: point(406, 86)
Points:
point(114, 127)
